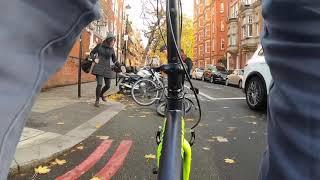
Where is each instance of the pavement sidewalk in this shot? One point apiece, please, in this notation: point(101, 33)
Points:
point(60, 120)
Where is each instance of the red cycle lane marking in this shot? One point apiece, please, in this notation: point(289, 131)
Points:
point(87, 163)
point(116, 161)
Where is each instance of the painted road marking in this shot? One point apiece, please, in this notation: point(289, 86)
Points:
point(218, 99)
point(116, 161)
point(91, 160)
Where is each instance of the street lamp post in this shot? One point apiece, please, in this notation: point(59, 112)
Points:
point(126, 36)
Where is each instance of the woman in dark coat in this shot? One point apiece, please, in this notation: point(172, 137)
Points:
point(104, 64)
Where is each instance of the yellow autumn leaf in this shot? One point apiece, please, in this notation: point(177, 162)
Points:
point(42, 170)
point(98, 126)
point(53, 163)
point(190, 119)
point(150, 156)
point(103, 137)
point(60, 162)
point(60, 123)
point(229, 161)
point(80, 147)
point(95, 178)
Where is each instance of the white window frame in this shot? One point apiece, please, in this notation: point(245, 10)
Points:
point(222, 7)
point(207, 47)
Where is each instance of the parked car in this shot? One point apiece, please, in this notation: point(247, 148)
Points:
point(215, 74)
point(197, 73)
point(256, 81)
point(235, 78)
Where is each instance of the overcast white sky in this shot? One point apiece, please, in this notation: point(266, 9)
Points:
point(136, 9)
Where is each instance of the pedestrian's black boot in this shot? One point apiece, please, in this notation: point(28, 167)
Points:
point(98, 92)
point(96, 104)
point(103, 98)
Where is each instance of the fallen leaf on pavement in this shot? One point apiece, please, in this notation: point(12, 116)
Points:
point(206, 148)
point(42, 170)
point(95, 178)
point(80, 147)
point(146, 112)
point(189, 119)
point(98, 126)
point(225, 107)
point(60, 162)
point(150, 156)
point(211, 140)
point(131, 116)
point(220, 138)
point(53, 163)
point(254, 123)
point(253, 132)
point(143, 116)
point(229, 161)
point(219, 120)
point(103, 137)
point(231, 129)
point(60, 123)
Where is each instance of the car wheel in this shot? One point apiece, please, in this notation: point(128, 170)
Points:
point(211, 79)
point(240, 84)
point(227, 82)
point(256, 94)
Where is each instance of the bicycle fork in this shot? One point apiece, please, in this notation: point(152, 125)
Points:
point(186, 151)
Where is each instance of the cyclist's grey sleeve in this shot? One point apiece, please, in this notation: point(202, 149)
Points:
point(291, 44)
point(35, 39)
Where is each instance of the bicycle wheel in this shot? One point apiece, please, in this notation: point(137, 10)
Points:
point(161, 108)
point(187, 104)
point(145, 92)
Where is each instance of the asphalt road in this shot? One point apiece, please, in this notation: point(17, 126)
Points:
point(131, 136)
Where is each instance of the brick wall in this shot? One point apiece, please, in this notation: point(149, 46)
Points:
point(68, 74)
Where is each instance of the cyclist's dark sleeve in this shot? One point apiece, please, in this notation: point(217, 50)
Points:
point(36, 37)
point(291, 43)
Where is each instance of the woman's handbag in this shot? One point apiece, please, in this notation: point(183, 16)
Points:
point(86, 65)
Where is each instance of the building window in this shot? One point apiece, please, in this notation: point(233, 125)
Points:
point(222, 25)
point(247, 29)
point(222, 7)
point(213, 27)
point(201, 21)
point(206, 2)
point(222, 44)
point(207, 47)
point(213, 46)
point(207, 31)
point(197, 2)
point(248, 2)
point(233, 40)
point(212, 10)
point(257, 29)
point(201, 50)
point(234, 11)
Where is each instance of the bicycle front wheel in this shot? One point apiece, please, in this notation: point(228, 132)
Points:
point(145, 92)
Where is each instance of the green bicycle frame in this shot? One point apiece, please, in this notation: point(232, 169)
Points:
point(186, 152)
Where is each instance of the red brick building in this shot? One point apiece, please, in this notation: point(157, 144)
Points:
point(210, 31)
point(112, 20)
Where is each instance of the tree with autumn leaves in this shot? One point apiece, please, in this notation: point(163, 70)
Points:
point(154, 17)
